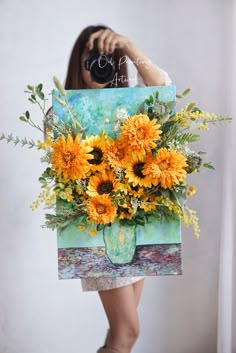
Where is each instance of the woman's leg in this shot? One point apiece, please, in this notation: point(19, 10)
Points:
point(138, 287)
point(120, 305)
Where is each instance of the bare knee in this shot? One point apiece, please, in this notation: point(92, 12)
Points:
point(132, 331)
point(124, 336)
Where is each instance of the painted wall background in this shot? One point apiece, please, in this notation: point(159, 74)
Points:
point(38, 313)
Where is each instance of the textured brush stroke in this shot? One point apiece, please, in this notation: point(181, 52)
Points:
point(149, 260)
point(92, 107)
point(120, 243)
point(155, 232)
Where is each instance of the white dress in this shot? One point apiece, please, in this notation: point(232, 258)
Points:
point(106, 283)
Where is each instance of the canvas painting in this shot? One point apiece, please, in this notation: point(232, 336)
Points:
point(152, 249)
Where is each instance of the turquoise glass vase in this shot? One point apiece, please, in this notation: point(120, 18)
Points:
point(120, 243)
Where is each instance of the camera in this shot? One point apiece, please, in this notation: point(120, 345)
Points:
point(101, 67)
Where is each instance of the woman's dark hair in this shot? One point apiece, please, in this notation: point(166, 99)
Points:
point(74, 79)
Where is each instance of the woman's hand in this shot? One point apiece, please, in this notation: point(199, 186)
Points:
point(108, 41)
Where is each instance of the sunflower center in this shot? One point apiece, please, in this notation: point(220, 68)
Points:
point(126, 211)
point(140, 134)
point(138, 168)
point(120, 154)
point(105, 187)
point(97, 156)
point(101, 209)
point(68, 157)
point(164, 165)
point(134, 188)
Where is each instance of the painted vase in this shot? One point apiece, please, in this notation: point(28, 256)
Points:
point(120, 243)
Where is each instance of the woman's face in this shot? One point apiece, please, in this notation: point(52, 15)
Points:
point(86, 74)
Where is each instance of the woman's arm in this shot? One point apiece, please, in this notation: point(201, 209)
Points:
point(108, 41)
point(151, 74)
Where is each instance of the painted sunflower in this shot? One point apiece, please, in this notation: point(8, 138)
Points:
point(116, 154)
point(129, 189)
point(136, 191)
point(101, 210)
point(134, 172)
point(70, 158)
point(102, 183)
point(167, 168)
point(139, 133)
point(126, 213)
point(97, 145)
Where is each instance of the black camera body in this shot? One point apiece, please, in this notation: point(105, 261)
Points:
point(101, 67)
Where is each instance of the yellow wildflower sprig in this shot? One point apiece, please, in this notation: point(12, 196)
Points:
point(185, 214)
point(46, 144)
point(190, 219)
point(46, 196)
point(193, 118)
point(191, 190)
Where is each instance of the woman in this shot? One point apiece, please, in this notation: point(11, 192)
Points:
point(120, 296)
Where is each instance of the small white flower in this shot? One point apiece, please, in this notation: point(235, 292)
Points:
point(107, 121)
point(135, 203)
point(121, 114)
point(119, 173)
point(116, 127)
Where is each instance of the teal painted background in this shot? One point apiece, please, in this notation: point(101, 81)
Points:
point(154, 233)
point(93, 107)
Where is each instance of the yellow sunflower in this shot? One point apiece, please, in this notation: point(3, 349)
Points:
point(124, 187)
point(98, 147)
point(126, 213)
point(167, 168)
point(101, 210)
point(116, 154)
point(136, 191)
point(134, 172)
point(129, 189)
point(152, 169)
point(140, 133)
point(102, 183)
point(69, 158)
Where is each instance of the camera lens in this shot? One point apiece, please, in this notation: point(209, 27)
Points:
point(101, 67)
point(102, 70)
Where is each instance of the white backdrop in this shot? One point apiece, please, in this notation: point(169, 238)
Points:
point(227, 271)
point(39, 313)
